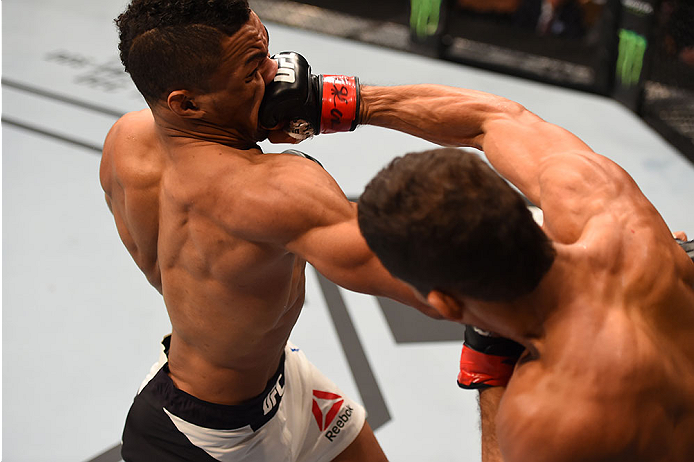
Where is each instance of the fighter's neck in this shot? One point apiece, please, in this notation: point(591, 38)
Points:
point(177, 132)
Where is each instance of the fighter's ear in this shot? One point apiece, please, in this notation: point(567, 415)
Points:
point(448, 306)
point(183, 103)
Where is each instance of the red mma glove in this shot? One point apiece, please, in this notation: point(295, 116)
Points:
point(307, 104)
point(486, 361)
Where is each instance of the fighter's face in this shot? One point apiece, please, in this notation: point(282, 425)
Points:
point(238, 85)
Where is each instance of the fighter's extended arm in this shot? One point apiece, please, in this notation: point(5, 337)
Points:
point(336, 248)
point(515, 140)
point(543, 160)
point(305, 211)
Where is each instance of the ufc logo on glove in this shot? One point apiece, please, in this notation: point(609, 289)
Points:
point(303, 104)
point(286, 72)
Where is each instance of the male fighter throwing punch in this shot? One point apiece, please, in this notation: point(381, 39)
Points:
point(601, 297)
point(224, 232)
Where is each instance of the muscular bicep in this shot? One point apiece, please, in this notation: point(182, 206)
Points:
point(307, 213)
point(338, 251)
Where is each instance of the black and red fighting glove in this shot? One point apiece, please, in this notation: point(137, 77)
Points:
point(306, 104)
point(486, 361)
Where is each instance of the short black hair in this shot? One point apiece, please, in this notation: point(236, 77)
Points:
point(169, 44)
point(444, 220)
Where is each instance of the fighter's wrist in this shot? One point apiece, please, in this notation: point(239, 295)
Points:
point(340, 103)
point(375, 102)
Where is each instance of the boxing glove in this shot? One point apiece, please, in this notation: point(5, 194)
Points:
point(486, 361)
point(308, 104)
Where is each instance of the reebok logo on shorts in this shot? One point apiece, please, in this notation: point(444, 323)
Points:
point(325, 420)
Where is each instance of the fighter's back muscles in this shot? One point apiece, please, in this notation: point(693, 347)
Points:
point(223, 234)
point(282, 201)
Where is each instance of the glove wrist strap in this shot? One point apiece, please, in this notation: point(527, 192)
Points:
point(487, 360)
point(479, 370)
point(339, 103)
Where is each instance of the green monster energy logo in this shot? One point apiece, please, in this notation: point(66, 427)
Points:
point(632, 48)
point(424, 17)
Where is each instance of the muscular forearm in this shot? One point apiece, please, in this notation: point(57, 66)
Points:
point(444, 115)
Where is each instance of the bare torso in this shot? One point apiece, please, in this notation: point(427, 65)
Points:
point(613, 375)
point(232, 300)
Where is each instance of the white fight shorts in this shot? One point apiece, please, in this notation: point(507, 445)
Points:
point(300, 416)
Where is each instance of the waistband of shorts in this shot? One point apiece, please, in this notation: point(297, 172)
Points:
point(255, 412)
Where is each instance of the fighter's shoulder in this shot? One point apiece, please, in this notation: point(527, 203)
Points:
point(296, 175)
point(584, 171)
point(584, 194)
point(284, 195)
point(133, 127)
point(130, 147)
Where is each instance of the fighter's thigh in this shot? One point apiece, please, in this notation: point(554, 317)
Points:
point(364, 448)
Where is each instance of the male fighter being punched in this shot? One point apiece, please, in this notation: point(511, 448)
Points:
point(224, 232)
point(601, 297)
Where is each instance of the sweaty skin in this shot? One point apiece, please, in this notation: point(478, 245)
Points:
point(608, 374)
point(224, 230)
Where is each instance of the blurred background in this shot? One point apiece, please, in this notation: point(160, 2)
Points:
point(80, 324)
